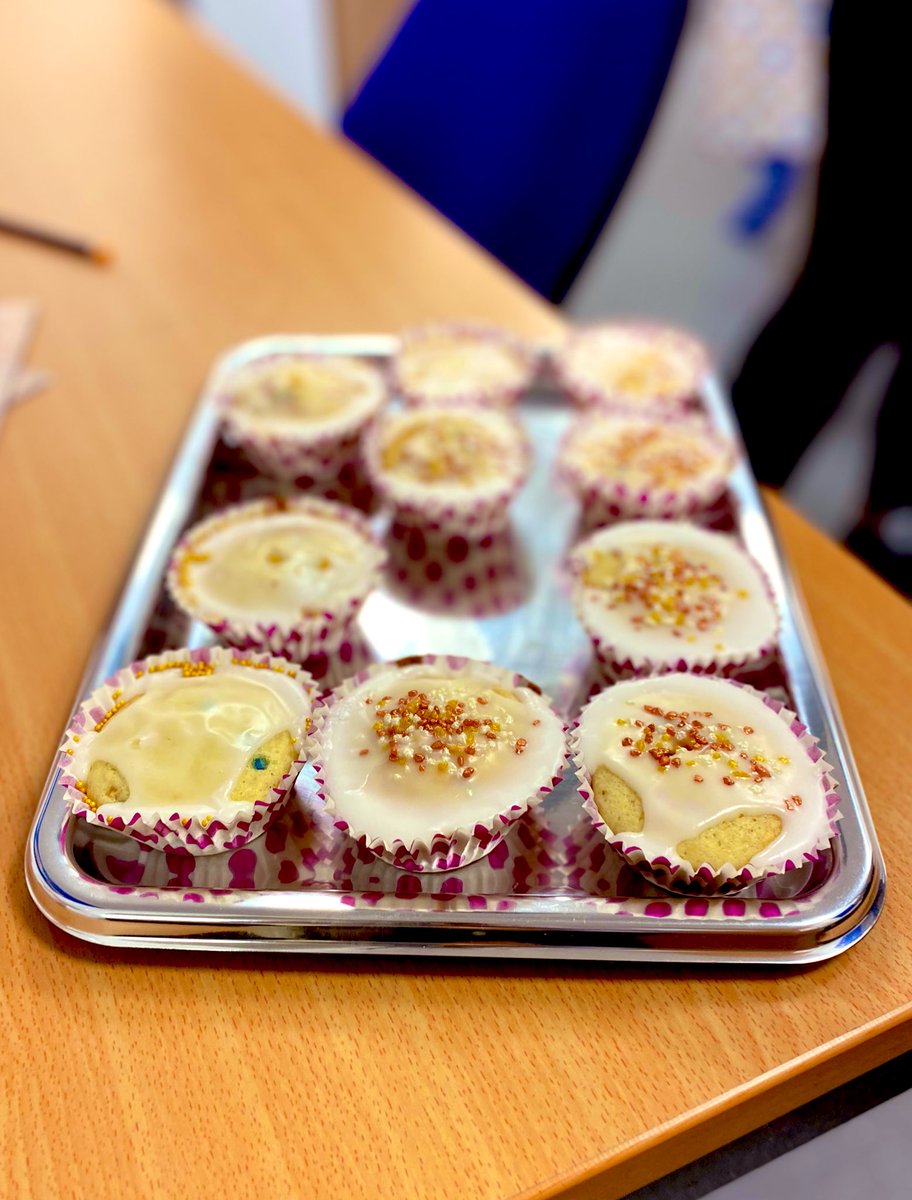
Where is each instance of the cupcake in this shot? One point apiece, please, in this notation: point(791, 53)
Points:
point(646, 369)
point(660, 596)
point(447, 572)
point(300, 416)
point(429, 761)
point(623, 467)
point(190, 751)
point(456, 466)
point(447, 364)
point(704, 783)
point(287, 576)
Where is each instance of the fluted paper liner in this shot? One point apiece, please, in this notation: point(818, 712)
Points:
point(320, 633)
point(503, 396)
point(481, 509)
point(448, 849)
point(227, 829)
point(617, 663)
point(586, 393)
point(702, 878)
point(316, 453)
point(605, 500)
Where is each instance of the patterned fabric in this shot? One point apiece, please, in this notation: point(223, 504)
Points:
point(765, 78)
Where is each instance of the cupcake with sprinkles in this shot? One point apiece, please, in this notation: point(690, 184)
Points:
point(454, 364)
point(659, 596)
point(649, 370)
point(284, 575)
point(622, 467)
point(189, 751)
point(705, 784)
point(447, 467)
point(300, 416)
point(429, 761)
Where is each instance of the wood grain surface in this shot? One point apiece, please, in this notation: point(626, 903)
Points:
point(156, 1075)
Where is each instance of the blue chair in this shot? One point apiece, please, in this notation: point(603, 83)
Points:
point(520, 119)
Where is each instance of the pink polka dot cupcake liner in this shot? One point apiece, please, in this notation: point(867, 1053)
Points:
point(472, 511)
point(614, 665)
point(614, 669)
point(678, 876)
point(501, 396)
point(448, 572)
point(449, 849)
point(167, 830)
point(605, 500)
point(312, 456)
point(586, 393)
point(319, 637)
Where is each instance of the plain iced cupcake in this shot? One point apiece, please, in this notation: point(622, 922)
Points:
point(300, 415)
point(189, 750)
point(623, 467)
point(705, 783)
point(447, 364)
point(656, 596)
point(287, 576)
point(635, 366)
point(458, 465)
point(429, 761)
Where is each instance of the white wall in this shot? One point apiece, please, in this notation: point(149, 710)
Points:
point(287, 43)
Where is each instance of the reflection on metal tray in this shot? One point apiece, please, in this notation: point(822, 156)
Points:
point(552, 889)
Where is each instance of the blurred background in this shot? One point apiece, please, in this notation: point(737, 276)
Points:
point(645, 157)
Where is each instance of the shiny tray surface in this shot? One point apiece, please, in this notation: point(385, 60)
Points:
point(553, 888)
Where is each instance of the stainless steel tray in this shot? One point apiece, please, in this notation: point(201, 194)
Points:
point(554, 890)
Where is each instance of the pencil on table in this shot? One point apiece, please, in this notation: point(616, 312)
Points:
point(97, 254)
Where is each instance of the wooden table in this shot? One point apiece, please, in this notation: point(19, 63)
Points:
point(144, 1075)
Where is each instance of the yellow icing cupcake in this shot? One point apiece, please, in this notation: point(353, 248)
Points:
point(189, 750)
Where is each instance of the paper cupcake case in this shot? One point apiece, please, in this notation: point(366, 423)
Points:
point(318, 460)
point(164, 830)
point(321, 637)
point(447, 572)
point(614, 665)
point(501, 397)
point(311, 457)
point(706, 880)
point(613, 669)
point(446, 850)
point(472, 511)
point(586, 394)
point(604, 501)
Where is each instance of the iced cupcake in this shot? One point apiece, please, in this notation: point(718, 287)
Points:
point(448, 466)
point(660, 596)
point(299, 416)
point(428, 761)
point(644, 369)
point(623, 467)
point(288, 576)
point(704, 783)
point(447, 364)
point(189, 750)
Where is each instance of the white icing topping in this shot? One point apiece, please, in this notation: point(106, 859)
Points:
point(448, 364)
point(644, 454)
point(438, 451)
point(300, 394)
point(663, 590)
point(633, 364)
point(676, 807)
point(276, 566)
point(441, 779)
point(180, 743)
